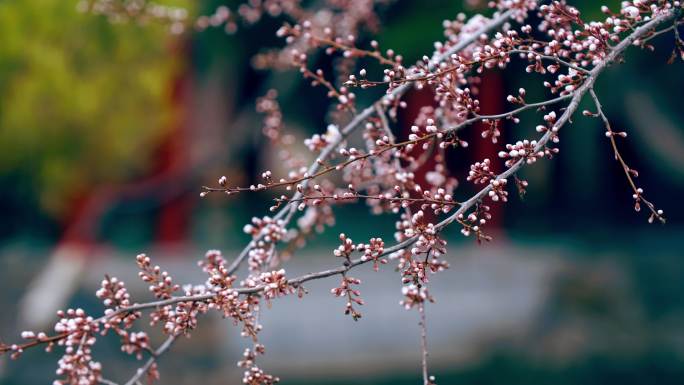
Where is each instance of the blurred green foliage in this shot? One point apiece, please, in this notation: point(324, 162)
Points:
point(80, 98)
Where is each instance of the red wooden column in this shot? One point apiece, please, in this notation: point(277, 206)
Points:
point(492, 101)
point(492, 98)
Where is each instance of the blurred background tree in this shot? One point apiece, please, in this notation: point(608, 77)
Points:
point(82, 101)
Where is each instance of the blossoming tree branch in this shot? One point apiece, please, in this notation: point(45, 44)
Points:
point(563, 50)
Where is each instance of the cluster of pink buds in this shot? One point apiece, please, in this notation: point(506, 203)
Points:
point(250, 355)
point(413, 265)
point(265, 232)
point(496, 55)
point(183, 318)
point(161, 283)
point(373, 251)
point(353, 295)
point(438, 200)
point(521, 7)
point(135, 343)
point(419, 134)
point(115, 296)
point(492, 130)
point(481, 172)
point(255, 376)
point(498, 191)
point(522, 150)
point(414, 295)
point(215, 266)
point(429, 240)
point(550, 120)
point(474, 222)
point(76, 366)
point(242, 311)
point(415, 270)
point(176, 320)
point(113, 293)
point(346, 248)
point(260, 257)
point(558, 14)
point(227, 301)
point(274, 284)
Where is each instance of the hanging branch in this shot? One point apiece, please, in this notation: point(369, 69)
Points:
point(382, 174)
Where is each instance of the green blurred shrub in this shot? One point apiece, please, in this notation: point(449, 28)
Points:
point(82, 100)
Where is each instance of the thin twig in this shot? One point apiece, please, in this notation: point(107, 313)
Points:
point(629, 172)
point(512, 112)
point(552, 58)
point(423, 342)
